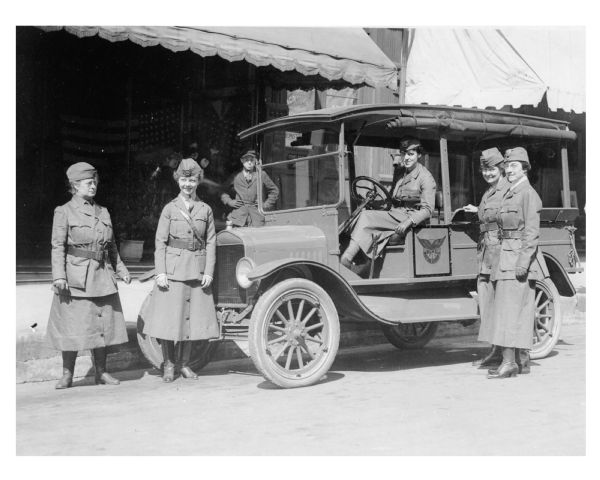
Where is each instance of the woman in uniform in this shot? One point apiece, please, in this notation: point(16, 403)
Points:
point(488, 249)
point(520, 264)
point(181, 307)
point(86, 311)
point(244, 189)
point(414, 194)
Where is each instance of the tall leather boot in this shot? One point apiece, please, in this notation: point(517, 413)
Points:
point(492, 359)
point(522, 359)
point(508, 368)
point(68, 360)
point(168, 351)
point(184, 351)
point(102, 377)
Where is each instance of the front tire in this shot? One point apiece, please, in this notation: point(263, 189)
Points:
point(294, 333)
point(202, 350)
point(410, 336)
point(547, 320)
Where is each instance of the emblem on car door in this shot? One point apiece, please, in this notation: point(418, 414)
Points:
point(431, 248)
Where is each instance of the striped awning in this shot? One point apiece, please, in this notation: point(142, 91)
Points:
point(336, 54)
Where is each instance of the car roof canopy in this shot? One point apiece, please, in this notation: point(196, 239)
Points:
point(381, 125)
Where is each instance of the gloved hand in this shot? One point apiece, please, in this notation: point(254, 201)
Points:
point(404, 227)
point(61, 287)
point(521, 274)
point(127, 279)
point(162, 281)
point(206, 281)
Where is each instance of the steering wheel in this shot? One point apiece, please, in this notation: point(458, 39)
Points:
point(370, 190)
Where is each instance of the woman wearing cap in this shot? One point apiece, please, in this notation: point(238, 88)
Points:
point(520, 264)
point(414, 193)
point(488, 249)
point(244, 188)
point(181, 306)
point(86, 310)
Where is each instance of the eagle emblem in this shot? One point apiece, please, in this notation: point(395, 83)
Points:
point(431, 248)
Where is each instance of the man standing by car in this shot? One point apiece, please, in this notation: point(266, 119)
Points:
point(414, 201)
point(244, 189)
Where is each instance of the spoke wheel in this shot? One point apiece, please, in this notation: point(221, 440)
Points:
point(547, 320)
point(294, 333)
point(410, 336)
point(202, 350)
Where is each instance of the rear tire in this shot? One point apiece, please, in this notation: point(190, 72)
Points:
point(202, 350)
point(410, 336)
point(548, 318)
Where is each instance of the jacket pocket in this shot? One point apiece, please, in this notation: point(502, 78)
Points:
point(180, 227)
point(105, 228)
point(80, 233)
point(509, 254)
point(76, 270)
point(511, 217)
point(172, 260)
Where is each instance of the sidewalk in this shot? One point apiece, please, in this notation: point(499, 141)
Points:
point(37, 362)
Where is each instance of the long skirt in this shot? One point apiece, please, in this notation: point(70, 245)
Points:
point(513, 314)
point(82, 323)
point(184, 311)
point(376, 222)
point(485, 298)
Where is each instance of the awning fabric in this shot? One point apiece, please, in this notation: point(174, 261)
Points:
point(348, 54)
point(468, 68)
point(488, 67)
point(557, 55)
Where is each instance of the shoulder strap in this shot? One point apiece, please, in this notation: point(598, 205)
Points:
point(190, 223)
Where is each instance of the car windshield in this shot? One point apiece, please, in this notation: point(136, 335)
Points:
point(303, 181)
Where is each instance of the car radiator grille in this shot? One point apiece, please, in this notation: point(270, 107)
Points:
point(228, 290)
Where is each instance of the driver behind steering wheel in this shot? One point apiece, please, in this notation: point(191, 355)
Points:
point(414, 200)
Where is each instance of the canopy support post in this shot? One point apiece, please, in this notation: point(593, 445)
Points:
point(565, 176)
point(445, 180)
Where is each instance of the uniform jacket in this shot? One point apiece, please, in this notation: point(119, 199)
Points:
point(416, 191)
point(246, 191)
point(181, 263)
point(87, 225)
point(520, 212)
point(488, 251)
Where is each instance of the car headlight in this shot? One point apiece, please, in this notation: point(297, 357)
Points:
point(244, 266)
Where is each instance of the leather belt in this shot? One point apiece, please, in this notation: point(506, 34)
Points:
point(408, 204)
point(502, 234)
point(191, 244)
point(486, 227)
point(98, 255)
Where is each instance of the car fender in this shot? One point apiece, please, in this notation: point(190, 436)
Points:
point(346, 300)
point(559, 276)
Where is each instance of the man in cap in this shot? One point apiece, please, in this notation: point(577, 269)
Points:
point(414, 201)
point(244, 189)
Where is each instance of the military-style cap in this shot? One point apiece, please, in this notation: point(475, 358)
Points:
point(188, 167)
point(491, 158)
point(409, 143)
point(517, 154)
point(80, 171)
point(249, 154)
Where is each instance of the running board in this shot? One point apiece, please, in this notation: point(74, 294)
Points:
point(416, 310)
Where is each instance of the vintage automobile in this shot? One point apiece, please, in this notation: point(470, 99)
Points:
point(281, 287)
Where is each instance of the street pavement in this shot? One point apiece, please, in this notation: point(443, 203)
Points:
point(376, 400)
